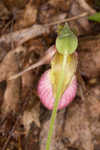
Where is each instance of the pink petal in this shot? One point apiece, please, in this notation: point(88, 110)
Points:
point(46, 94)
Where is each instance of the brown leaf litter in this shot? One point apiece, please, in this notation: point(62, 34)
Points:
point(26, 34)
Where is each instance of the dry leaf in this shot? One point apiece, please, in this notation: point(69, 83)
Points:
point(28, 17)
point(89, 56)
point(77, 129)
point(9, 67)
point(31, 116)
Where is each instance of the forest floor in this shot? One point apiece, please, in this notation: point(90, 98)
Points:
point(27, 29)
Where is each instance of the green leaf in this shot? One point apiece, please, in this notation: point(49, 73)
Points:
point(66, 41)
point(69, 71)
point(95, 17)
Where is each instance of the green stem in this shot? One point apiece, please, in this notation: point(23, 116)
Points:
point(58, 95)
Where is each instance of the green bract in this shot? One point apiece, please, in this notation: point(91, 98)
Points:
point(66, 41)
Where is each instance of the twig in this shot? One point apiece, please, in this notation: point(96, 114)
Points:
point(68, 19)
point(48, 56)
point(21, 36)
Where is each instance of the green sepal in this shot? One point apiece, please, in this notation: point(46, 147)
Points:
point(56, 67)
point(66, 41)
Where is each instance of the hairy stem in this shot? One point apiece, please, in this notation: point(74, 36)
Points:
point(58, 96)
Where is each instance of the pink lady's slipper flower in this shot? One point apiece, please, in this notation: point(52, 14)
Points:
point(46, 94)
